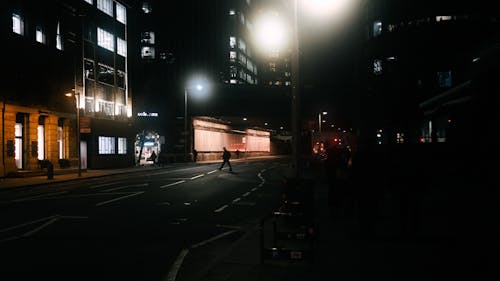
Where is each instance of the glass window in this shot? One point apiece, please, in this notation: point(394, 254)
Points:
point(233, 72)
point(89, 69)
point(121, 13)
point(242, 46)
point(377, 67)
point(232, 42)
point(40, 34)
point(122, 145)
point(148, 37)
point(106, 145)
point(59, 42)
point(121, 47)
point(120, 79)
point(232, 56)
point(105, 107)
point(148, 52)
point(377, 28)
point(146, 7)
point(105, 39)
point(17, 24)
point(106, 74)
point(106, 6)
point(41, 142)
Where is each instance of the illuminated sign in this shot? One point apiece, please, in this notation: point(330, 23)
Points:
point(147, 114)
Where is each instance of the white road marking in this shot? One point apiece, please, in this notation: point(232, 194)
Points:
point(119, 198)
point(221, 209)
point(31, 232)
point(212, 239)
point(174, 183)
point(236, 200)
point(211, 172)
point(254, 189)
point(198, 176)
point(27, 223)
point(105, 184)
point(125, 186)
point(172, 274)
point(246, 194)
point(174, 269)
point(39, 196)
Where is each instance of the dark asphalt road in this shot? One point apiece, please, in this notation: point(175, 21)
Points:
point(130, 226)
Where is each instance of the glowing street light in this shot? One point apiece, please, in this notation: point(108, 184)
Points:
point(271, 34)
point(200, 86)
point(78, 152)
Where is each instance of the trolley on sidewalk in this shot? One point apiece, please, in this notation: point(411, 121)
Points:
point(289, 233)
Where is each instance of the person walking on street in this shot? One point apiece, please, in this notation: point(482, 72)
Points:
point(195, 155)
point(226, 155)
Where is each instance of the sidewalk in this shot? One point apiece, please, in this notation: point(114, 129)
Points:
point(343, 252)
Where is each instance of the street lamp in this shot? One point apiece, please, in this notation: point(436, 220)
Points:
point(78, 152)
point(198, 86)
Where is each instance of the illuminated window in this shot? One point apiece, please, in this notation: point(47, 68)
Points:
point(89, 69)
point(106, 107)
point(242, 58)
point(59, 42)
point(377, 67)
point(17, 24)
point(121, 13)
point(242, 18)
point(377, 28)
point(443, 18)
point(40, 35)
point(272, 67)
point(148, 52)
point(233, 72)
point(41, 142)
point(91, 2)
point(233, 81)
point(120, 79)
point(122, 145)
point(121, 47)
point(148, 37)
point(60, 141)
point(232, 56)
point(232, 42)
point(106, 6)
point(106, 145)
point(146, 7)
point(106, 74)
point(105, 39)
point(232, 12)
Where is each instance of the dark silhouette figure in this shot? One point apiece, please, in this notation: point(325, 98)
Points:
point(237, 153)
point(226, 155)
point(336, 169)
point(195, 155)
point(152, 157)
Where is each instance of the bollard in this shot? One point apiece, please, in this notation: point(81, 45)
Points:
point(50, 171)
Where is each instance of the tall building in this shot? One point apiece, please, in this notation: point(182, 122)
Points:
point(421, 67)
point(58, 47)
point(211, 40)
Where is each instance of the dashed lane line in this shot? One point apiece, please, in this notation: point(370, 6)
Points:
point(172, 184)
point(125, 186)
point(211, 172)
point(221, 209)
point(119, 198)
point(198, 176)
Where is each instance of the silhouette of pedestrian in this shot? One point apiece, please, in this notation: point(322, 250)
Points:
point(237, 153)
point(153, 157)
point(226, 155)
point(195, 155)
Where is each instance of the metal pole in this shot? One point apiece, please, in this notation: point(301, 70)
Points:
point(185, 124)
point(295, 94)
point(78, 146)
point(319, 123)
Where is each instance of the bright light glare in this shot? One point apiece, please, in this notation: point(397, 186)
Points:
point(326, 7)
point(199, 87)
point(271, 33)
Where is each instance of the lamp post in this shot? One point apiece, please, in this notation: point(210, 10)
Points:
point(198, 87)
point(78, 148)
point(320, 120)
